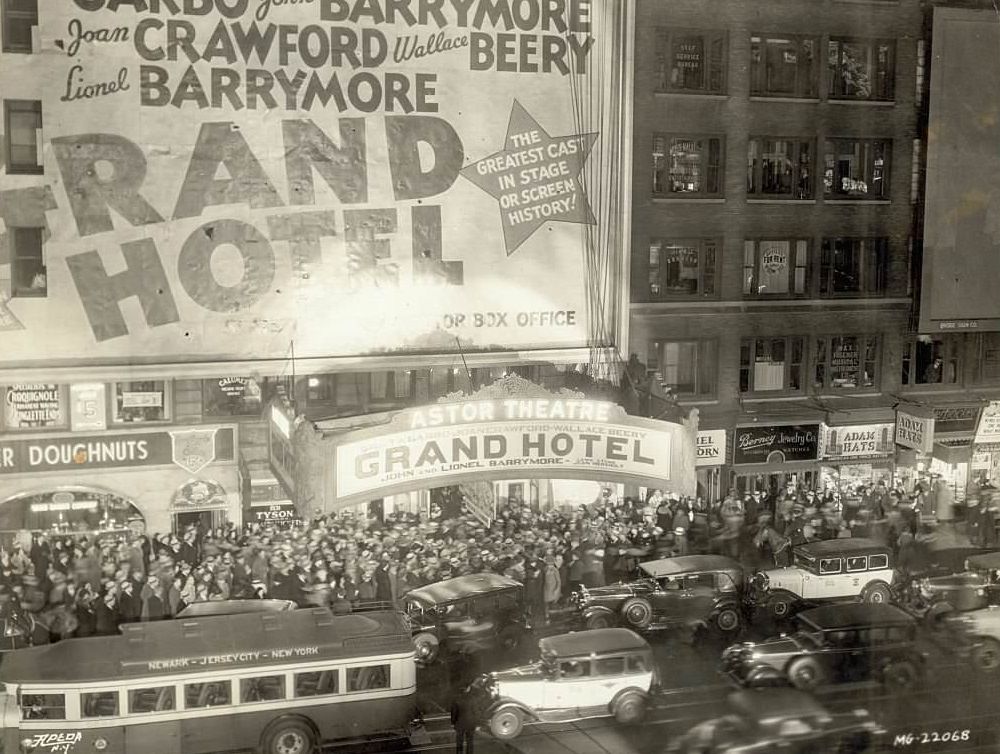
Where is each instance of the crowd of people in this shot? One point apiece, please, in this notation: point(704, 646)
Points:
point(78, 585)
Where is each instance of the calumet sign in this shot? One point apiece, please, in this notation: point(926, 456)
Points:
point(517, 438)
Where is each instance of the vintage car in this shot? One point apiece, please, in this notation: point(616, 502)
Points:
point(688, 590)
point(979, 631)
point(785, 720)
point(976, 586)
point(833, 569)
point(597, 673)
point(833, 643)
point(481, 612)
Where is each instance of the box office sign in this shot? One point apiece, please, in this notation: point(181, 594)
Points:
point(915, 431)
point(27, 406)
point(776, 443)
point(125, 450)
point(297, 156)
point(858, 441)
point(452, 443)
point(710, 447)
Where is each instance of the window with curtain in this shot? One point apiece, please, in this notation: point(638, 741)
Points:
point(691, 61)
point(687, 166)
point(853, 266)
point(775, 267)
point(784, 65)
point(846, 362)
point(861, 69)
point(687, 367)
point(771, 364)
point(856, 168)
point(779, 168)
point(679, 268)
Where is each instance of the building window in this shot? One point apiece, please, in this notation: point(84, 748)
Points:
point(988, 347)
point(853, 266)
point(681, 268)
point(231, 396)
point(780, 168)
point(28, 274)
point(856, 168)
point(141, 401)
point(22, 122)
point(691, 61)
point(860, 69)
point(392, 386)
point(775, 268)
point(784, 66)
point(687, 166)
point(846, 362)
point(929, 360)
point(771, 364)
point(687, 367)
point(18, 18)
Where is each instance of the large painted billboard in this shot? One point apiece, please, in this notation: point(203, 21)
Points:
point(961, 262)
point(224, 178)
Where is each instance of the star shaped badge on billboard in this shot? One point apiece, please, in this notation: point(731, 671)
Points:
point(535, 178)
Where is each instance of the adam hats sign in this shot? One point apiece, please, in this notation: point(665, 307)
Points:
point(915, 431)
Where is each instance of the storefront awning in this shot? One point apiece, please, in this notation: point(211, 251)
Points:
point(953, 451)
point(873, 410)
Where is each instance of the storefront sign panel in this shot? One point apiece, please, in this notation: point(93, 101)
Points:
point(76, 452)
point(857, 441)
point(956, 420)
point(27, 406)
point(989, 423)
point(710, 448)
point(362, 178)
point(281, 512)
point(914, 431)
point(88, 407)
point(776, 443)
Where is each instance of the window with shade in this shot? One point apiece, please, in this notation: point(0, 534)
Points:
point(395, 385)
point(861, 69)
point(779, 168)
point(846, 362)
point(19, 16)
point(856, 169)
point(784, 65)
point(932, 360)
point(691, 61)
point(775, 268)
point(22, 125)
point(681, 268)
point(687, 166)
point(687, 367)
point(853, 266)
point(988, 349)
point(28, 275)
point(137, 402)
point(771, 364)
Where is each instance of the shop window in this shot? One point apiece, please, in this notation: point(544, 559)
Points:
point(988, 348)
point(780, 168)
point(691, 61)
point(19, 16)
point(395, 385)
point(775, 268)
point(687, 166)
point(22, 124)
point(853, 266)
point(861, 69)
point(929, 360)
point(784, 66)
point(856, 169)
point(231, 396)
point(771, 364)
point(681, 268)
point(28, 274)
point(687, 367)
point(846, 362)
point(141, 401)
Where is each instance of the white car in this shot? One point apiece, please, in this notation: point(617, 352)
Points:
point(982, 629)
point(596, 673)
point(833, 569)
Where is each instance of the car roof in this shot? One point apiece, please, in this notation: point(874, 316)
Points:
point(849, 546)
point(234, 607)
point(985, 560)
point(462, 586)
point(595, 641)
point(855, 615)
point(689, 563)
point(769, 704)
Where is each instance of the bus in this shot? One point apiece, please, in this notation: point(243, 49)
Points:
point(280, 682)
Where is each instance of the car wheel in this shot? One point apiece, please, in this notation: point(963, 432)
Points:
point(629, 708)
point(805, 674)
point(600, 620)
point(289, 737)
point(427, 646)
point(986, 655)
point(900, 675)
point(509, 639)
point(506, 723)
point(877, 593)
point(638, 613)
point(727, 619)
point(781, 605)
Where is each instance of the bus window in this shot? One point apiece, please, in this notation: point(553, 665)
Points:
point(317, 683)
point(99, 704)
point(211, 694)
point(151, 700)
point(366, 679)
point(43, 707)
point(266, 688)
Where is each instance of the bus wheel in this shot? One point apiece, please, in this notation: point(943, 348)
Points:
point(427, 647)
point(289, 737)
point(506, 723)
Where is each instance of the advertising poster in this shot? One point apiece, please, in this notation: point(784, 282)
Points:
point(989, 423)
point(858, 441)
point(27, 406)
point(359, 178)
